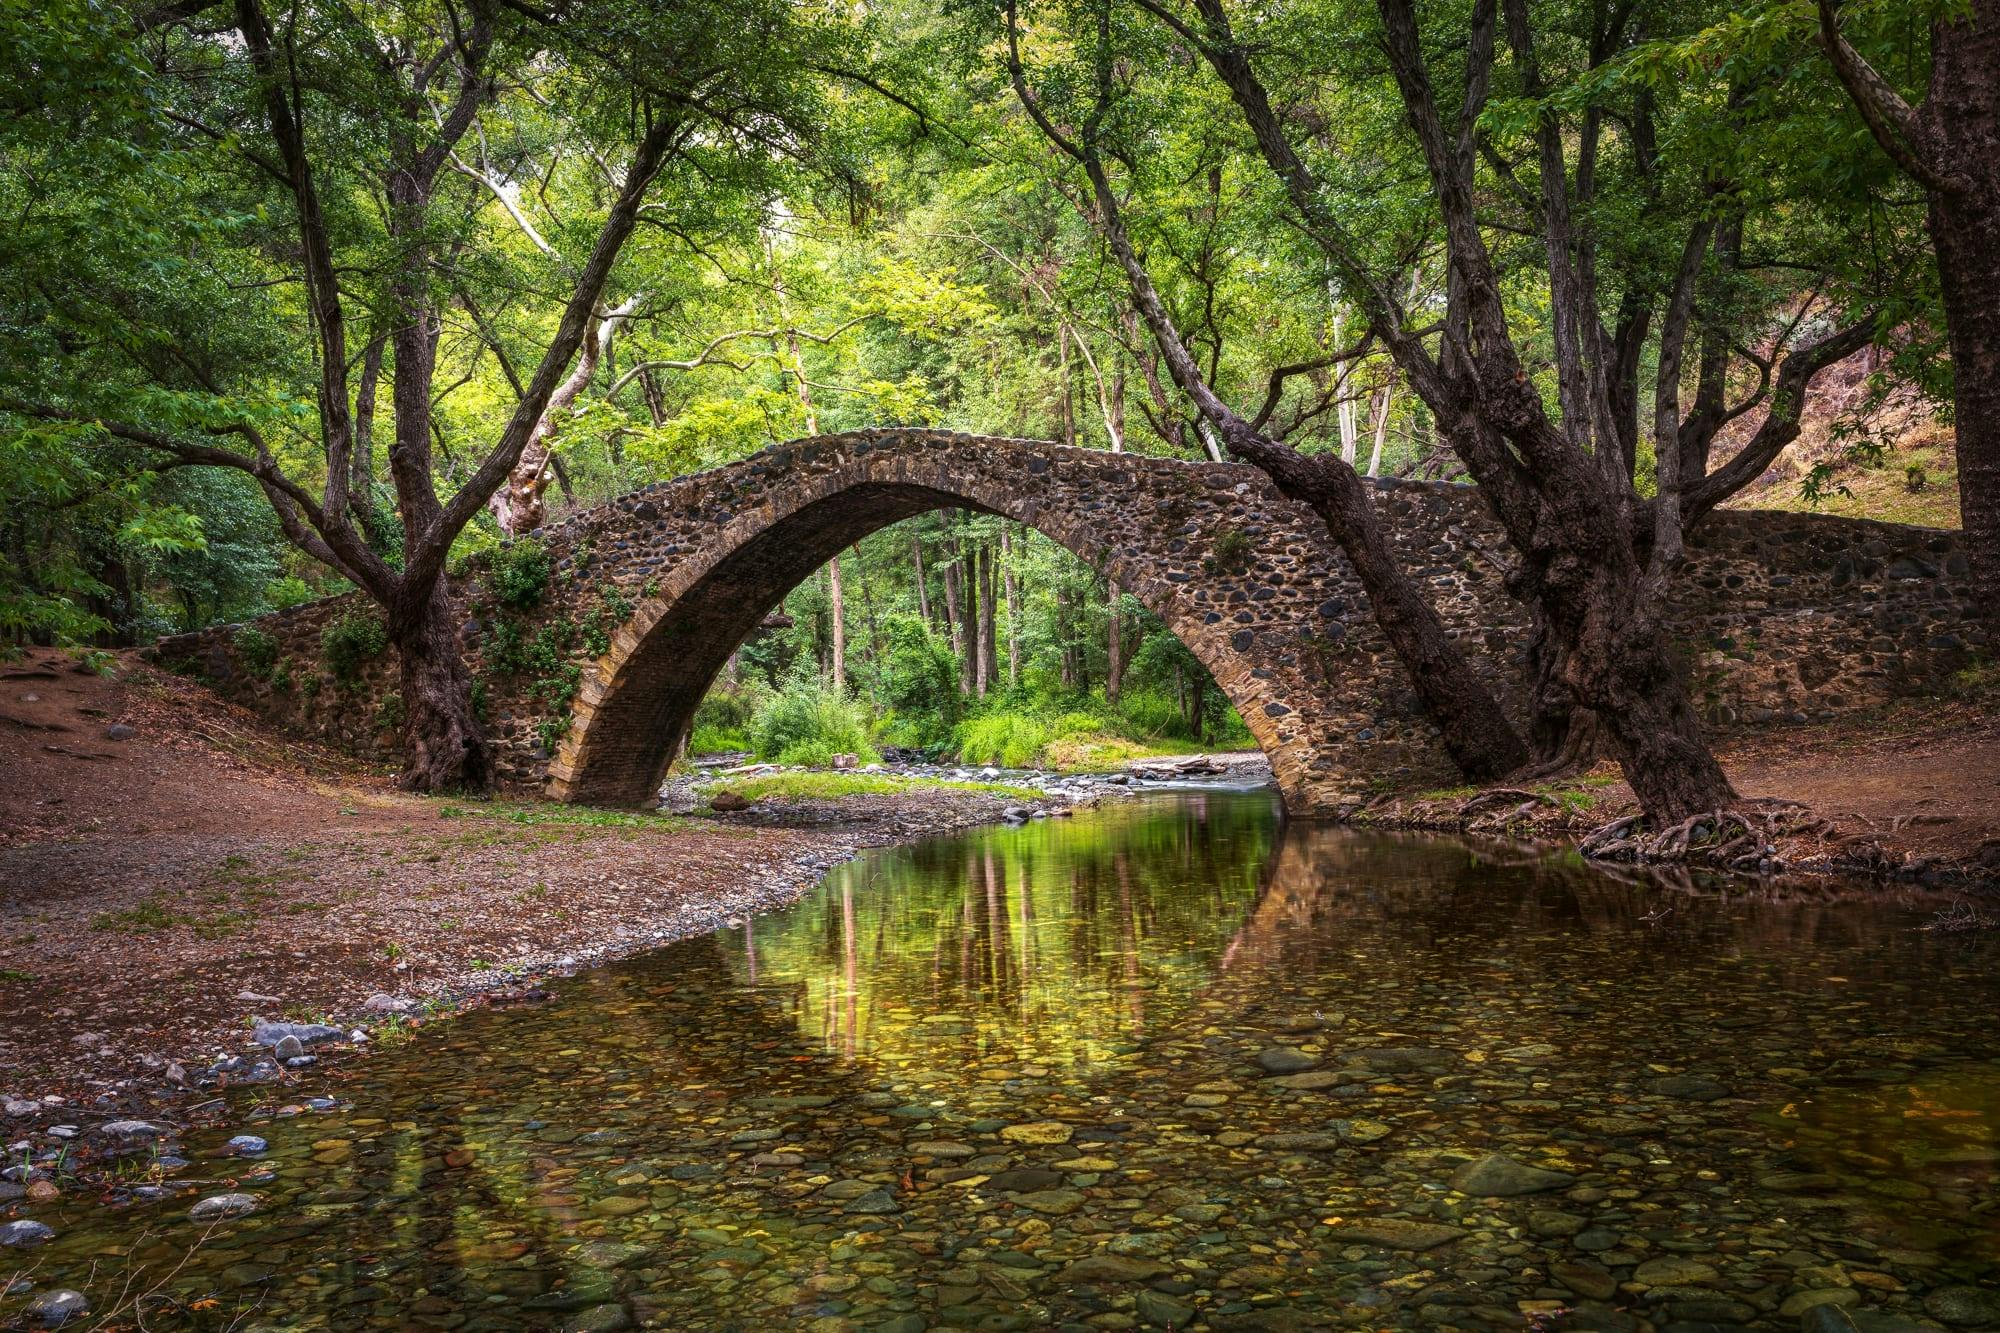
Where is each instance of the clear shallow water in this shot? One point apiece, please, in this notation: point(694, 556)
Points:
point(1012, 1080)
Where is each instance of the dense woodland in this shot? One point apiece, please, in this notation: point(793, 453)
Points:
point(309, 297)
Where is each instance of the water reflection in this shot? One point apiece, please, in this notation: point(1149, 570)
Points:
point(1169, 1063)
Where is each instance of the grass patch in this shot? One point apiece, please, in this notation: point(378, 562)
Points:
point(829, 786)
point(154, 914)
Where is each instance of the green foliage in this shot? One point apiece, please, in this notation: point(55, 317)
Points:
point(505, 649)
point(281, 594)
point(348, 644)
point(723, 721)
point(96, 661)
point(596, 626)
point(389, 712)
point(807, 724)
point(281, 676)
point(519, 573)
point(257, 650)
point(1010, 740)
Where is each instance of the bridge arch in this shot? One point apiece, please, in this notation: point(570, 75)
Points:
point(1781, 616)
point(1242, 577)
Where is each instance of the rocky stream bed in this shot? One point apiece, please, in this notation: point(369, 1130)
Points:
point(1164, 1064)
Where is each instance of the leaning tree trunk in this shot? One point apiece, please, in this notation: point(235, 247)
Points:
point(445, 746)
point(1474, 730)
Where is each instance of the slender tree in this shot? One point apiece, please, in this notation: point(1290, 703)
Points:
point(1474, 729)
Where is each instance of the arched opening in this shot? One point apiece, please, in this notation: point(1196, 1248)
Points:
point(634, 718)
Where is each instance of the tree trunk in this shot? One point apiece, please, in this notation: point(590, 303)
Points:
point(978, 610)
point(1650, 724)
point(1565, 737)
point(1951, 145)
point(517, 505)
point(1474, 731)
point(447, 748)
point(1114, 645)
point(836, 600)
point(1967, 234)
point(1382, 401)
point(923, 592)
point(361, 463)
point(956, 614)
point(989, 654)
point(1013, 583)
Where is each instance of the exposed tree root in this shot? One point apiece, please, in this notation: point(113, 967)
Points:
point(1742, 837)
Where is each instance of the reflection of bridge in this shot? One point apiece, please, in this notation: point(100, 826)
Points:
point(1839, 613)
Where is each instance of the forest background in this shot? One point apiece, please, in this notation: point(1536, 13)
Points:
point(872, 234)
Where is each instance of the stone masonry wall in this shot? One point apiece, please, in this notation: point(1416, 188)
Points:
point(1784, 617)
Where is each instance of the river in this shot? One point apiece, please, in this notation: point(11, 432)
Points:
point(1170, 1063)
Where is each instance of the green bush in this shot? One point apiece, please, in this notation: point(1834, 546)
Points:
point(389, 713)
point(1011, 740)
point(521, 573)
point(723, 722)
point(806, 724)
point(505, 650)
point(287, 592)
point(257, 650)
point(349, 643)
point(717, 740)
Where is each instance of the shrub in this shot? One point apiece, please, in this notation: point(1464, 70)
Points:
point(349, 643)
point(521, 573)
point(717, 740)
point(289, 591)
point(281, 676)
point(805, 724)
point(722, 724)
point(389, 713)
point(257, 650)
point(506, 652)
point(1010, 740)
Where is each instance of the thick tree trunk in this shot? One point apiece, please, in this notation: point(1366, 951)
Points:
point(1966, 231)
point(1477, 735)
point(446, 747)
point(1566, 738)
point(1650, 724)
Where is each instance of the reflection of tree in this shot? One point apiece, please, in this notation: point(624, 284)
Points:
point(1053, 935)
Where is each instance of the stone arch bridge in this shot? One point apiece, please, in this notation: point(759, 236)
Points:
point(1784, 616)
